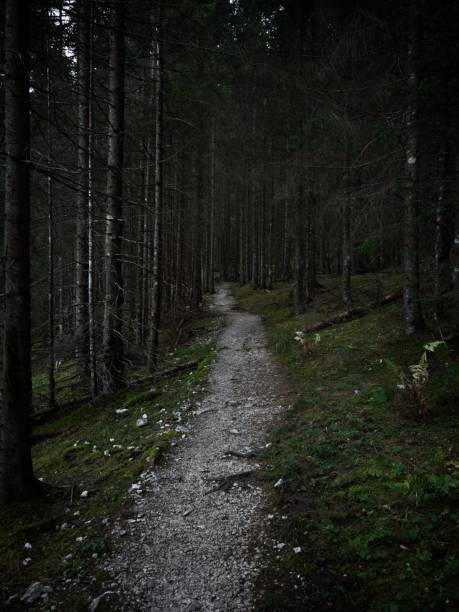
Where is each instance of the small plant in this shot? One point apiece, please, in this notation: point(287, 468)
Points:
point(299, 337)
point(413, 383)
point(308, 345)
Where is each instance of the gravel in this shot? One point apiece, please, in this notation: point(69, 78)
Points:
point(195, 545)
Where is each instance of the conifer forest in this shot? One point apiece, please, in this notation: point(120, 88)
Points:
point(229, 305)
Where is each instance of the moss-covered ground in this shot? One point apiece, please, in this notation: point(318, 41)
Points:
point(94, 449)
point(371, 492)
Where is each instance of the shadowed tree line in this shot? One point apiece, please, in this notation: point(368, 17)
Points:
point(150, 148)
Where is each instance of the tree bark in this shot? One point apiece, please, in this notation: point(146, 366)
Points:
point(347, 247)
point(16, 473)
point(49, 181)
point(91, 243)
point(82, 295)
point(300, 249)
point(412, 307)
point(158, 212)
point(444, 230)
point(212, 210)
point(114, 290)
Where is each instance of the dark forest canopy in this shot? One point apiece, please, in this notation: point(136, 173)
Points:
point(174, 143)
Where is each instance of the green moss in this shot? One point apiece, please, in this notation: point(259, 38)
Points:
point(372, 495)
point(95, 449)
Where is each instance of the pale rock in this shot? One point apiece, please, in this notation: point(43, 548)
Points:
point(95, 603)
point(33, 593)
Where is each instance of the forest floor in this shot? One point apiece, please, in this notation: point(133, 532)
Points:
point(371, 488)
point(89, 456)
point(202, 514)
point(282, 472)
point(124, 531)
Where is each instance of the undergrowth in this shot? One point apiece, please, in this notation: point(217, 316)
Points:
point(95, 450)
point(371, 493)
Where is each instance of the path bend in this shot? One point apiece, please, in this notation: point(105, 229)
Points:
point(191, 548)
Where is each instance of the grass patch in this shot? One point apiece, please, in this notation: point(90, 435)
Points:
point(372, 496)
point(98, 451)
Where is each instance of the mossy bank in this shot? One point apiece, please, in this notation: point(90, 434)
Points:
point(89, 459)
point(370, 493)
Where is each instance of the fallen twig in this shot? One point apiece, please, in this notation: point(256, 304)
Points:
point(240, 454)
point(166, 373)
point(226, 482)
point(354, 313)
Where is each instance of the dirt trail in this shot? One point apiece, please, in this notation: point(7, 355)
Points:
point(189, 549)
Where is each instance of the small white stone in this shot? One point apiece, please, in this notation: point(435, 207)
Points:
point(279, 483)
point(84, 494)
point(28, 546)
point(297, 549)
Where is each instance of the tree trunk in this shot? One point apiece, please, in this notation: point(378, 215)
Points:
point(158, 212)
point(114, 289)
point(413, 315)
point(300, 249)
point(444, 230)
point(455, 267)
point(16, 473)
point(347, 247)
point(82, 296)
point(91, 250)
point(49, 181)
point(212, 210)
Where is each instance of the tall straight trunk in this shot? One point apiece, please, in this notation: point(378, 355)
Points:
point(82, 297)
point(114, 290)
point(91, 250)
point(143, 247)
point(286, 268)
point(311, 281)
point(16, 473)
point(212, 210)
point(180, 247)
point(158, 211)
point(51, 342)
point(346, 243)
point(444, 225)
point(455, 267)
point(143, 250)
point(262, 237)
point(241, 266)
point(412, 307)
point(60, 293)
point(300, 252)
point(242, 230)
point(196, 290)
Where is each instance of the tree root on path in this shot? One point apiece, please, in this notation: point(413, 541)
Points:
point(226, 482)
point(354, 313)
point(240, 454)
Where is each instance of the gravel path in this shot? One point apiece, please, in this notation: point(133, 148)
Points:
point(189, 549)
